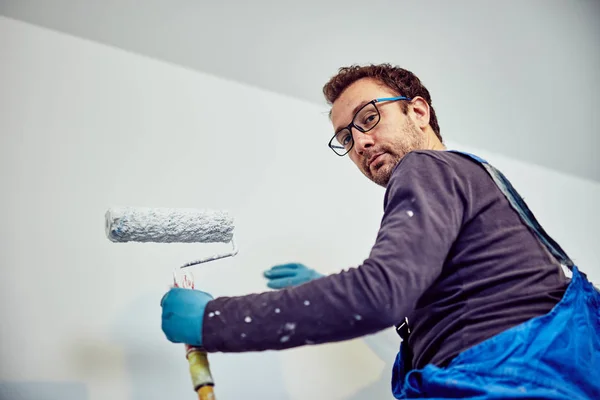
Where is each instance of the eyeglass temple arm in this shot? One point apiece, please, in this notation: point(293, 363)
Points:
point(391, 98)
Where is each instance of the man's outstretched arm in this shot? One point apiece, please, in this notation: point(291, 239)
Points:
point(422, 216)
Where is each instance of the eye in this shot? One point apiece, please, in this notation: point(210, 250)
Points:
point(344, 138)
point(369, 118)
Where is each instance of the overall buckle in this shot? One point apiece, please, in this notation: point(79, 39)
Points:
point(402, 329)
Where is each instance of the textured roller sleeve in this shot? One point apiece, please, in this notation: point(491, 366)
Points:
point(168, 225)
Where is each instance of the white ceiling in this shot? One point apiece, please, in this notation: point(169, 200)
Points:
point(533, 66)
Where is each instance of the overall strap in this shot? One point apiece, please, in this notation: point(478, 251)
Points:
point(517, 202)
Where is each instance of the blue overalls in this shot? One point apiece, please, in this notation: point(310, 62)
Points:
point(553, 356)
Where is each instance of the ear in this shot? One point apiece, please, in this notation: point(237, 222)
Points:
point(419, 111)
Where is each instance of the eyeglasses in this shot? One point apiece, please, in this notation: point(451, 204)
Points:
point(365, 119)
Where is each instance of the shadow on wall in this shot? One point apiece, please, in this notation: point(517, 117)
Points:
point(385, 345)
point(159, 369)
point(24, 390)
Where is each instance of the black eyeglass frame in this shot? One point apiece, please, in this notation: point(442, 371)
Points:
point(349, 127)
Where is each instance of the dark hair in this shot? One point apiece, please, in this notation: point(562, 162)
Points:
point(400, 80)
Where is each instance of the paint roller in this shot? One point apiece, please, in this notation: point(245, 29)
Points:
point(177, 225)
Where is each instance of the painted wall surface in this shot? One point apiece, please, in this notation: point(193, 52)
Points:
point(84, 127)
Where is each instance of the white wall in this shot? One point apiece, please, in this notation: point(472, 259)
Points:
point(85, 127)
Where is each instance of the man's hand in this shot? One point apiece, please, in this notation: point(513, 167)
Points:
point(286, 275)
point(182, 315)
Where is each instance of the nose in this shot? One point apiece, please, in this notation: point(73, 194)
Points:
point(362, 141)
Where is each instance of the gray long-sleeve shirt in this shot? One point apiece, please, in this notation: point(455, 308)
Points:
point(451, 255)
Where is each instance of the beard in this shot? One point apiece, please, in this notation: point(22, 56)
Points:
point(409, 138)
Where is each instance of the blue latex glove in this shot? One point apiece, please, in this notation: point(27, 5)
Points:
point(182, 315)
point(292, 274)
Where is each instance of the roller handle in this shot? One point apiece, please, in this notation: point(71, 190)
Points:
point(200, 373)
point(199, 367)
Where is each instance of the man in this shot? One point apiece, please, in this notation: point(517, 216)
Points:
point(460, 266)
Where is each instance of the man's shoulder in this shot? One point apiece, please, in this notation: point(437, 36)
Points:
point(440, 172)
point(444, 161)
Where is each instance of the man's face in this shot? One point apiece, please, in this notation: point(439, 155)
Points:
point(377, 151)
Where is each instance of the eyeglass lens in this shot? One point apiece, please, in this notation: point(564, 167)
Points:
point(365, 119)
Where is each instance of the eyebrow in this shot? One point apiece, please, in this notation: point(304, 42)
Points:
point(354, 110)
